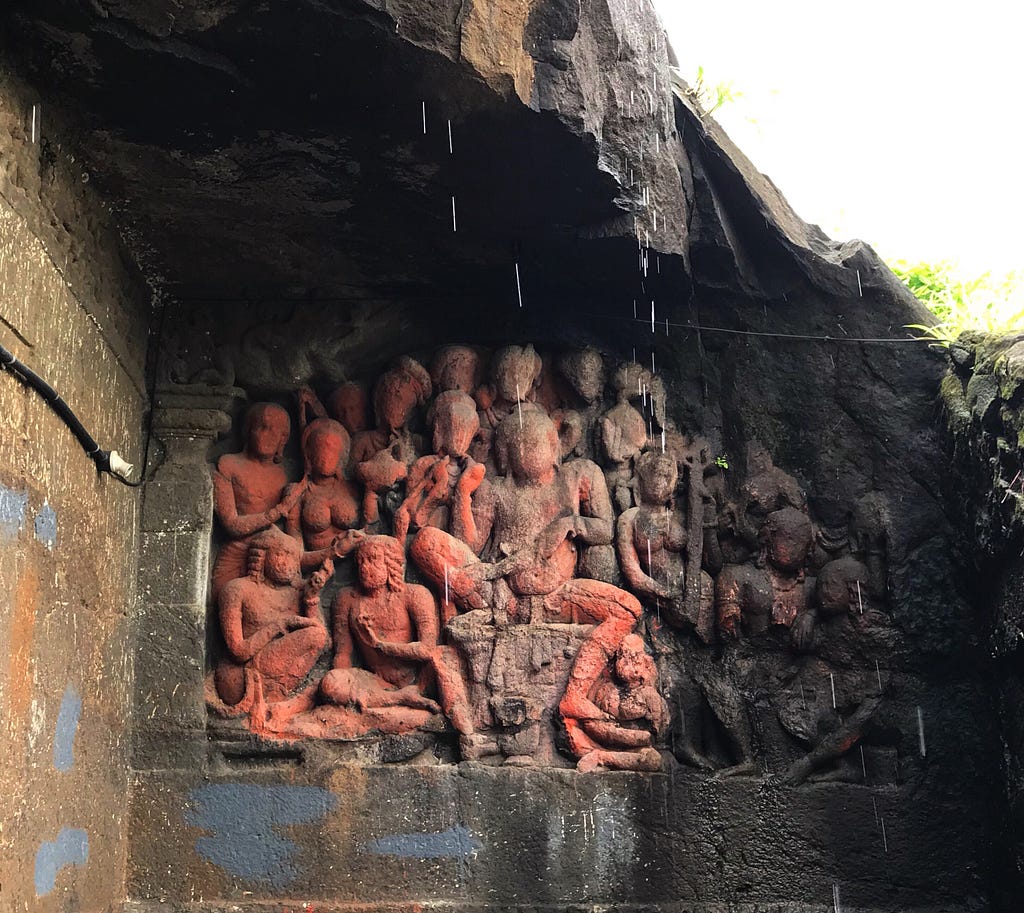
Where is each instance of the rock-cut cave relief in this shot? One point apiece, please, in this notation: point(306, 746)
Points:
point(520, 557)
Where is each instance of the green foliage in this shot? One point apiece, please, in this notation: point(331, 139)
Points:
point(709, 98)
point(722, 462)
point(985, 303)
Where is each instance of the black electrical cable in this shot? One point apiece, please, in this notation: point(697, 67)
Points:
point(53, 399)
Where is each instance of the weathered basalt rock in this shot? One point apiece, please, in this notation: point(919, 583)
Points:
point(335, 194)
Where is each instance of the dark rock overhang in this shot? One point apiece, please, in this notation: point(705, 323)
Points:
point(276, 150)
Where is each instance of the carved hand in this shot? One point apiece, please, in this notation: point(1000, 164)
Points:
point(346, 541)
point(471, 478)
point(292, 492)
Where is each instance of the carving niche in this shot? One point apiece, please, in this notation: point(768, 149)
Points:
point(521, 557)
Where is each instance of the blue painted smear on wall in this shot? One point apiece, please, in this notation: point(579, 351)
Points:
point(67, 726)
point(12, 511)
point(70, 848)
point(46, 526)
point(455, 843)
point(242, 818)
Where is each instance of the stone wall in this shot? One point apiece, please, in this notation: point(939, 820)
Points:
point(68, 536)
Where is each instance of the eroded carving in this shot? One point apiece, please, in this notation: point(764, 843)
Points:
point(522, 548)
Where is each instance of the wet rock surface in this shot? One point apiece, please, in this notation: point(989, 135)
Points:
point(268, 168)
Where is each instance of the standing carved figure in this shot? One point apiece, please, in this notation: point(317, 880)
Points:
point(383, 455)
point(250, 489)
point(327, 514)
point(653, 545)
point(621, 434)
point(440, 489)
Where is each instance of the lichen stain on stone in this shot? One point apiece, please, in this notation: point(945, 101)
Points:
point(70, 848)
point(45, 526)
point(243, 818)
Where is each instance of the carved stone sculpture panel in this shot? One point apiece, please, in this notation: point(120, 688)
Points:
point(518, 554)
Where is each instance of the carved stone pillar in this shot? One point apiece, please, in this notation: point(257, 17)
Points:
point(170, 630)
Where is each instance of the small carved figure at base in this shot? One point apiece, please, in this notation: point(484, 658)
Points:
point(627, 715)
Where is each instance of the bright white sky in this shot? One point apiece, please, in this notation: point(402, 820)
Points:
point(900, 123)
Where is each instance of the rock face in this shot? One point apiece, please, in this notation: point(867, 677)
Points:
point(332, 198)
point(981, 401)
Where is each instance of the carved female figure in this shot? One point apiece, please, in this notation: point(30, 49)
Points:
point(328, 512)
point(250, 489)
point(652, 544)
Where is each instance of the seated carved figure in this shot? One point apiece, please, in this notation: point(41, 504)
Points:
point(539, 516)
point(250, 489)
point(328, 511)
point(624, 717)
point(392, 627)
point(271, 624)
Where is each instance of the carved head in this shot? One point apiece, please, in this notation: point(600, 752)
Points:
point(266, 431)
point(380, 562)
point(633, 665)
point(456, 368)
point(516, 370)
point(530, 452)
point(348, 405)
point(400, 389)
point(789, 536)
point(325, 446)
point(656, 476)
point(456, 422)
point(275, 556)
point(629, 379)
point(584, 369)
point(843, 586)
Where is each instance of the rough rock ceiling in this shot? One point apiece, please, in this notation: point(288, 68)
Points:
point(277, 149)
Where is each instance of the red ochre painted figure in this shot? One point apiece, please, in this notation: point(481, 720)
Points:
point(392, 627)
point(250, 489)
point(440, 488)
point(271, 624)
point(327, 514)
point(383, 455)
point(541, 513)
point(625, 717)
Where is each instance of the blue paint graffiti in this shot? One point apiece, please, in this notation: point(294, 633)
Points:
point(455, 843)
point(70, 848)
point(12, 511)
point(67, 726)
point(242, 819)
point(46, 526)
